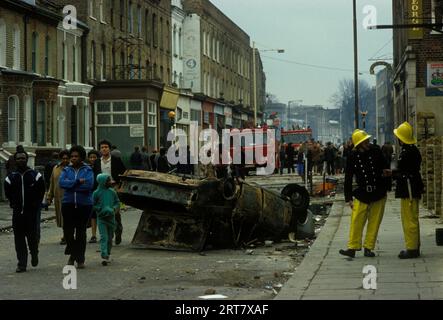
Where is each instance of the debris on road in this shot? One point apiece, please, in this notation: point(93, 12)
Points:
point(210, 291)
point(213, 296)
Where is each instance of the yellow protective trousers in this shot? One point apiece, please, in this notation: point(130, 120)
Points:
point(362, 212)
point(411, 225)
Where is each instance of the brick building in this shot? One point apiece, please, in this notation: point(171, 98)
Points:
point(28, 74)
point(418, 64)
point(128, 62)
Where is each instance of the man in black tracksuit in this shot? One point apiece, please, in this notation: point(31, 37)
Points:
point(25, 189)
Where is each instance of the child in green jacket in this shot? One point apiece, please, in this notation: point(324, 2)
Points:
point(106, 203)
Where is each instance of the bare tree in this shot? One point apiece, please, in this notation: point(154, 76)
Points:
point(344, 100)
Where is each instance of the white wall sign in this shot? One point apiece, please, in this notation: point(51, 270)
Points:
point(136, 131)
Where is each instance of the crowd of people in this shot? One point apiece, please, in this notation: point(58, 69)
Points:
point(330, 159)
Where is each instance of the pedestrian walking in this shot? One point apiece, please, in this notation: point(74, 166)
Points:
point(114, 167)
point(106, 204)
point(49, 167)
point(290, 158)
point(115, 152)
point(93, 155)
point(55, 193)
point(146, 162)
point(330, 155)
point(25, 189)
point(369, 198)
point(409, 188)
point(282, 156)
point(162, 162)
point(153, 158)
point(136, 159)
point(388, 150)
point(301, 161)
point(77, 180)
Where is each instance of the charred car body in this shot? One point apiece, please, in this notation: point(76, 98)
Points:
point(194, 214)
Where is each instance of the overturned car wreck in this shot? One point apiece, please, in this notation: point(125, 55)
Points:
point(196, 214)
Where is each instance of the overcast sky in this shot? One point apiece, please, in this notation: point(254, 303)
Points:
point(316, 32)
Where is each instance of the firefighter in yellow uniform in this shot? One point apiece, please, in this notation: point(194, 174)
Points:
point(409, 187)
point(367, 164)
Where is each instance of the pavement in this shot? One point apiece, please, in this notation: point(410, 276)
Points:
point(324, 274)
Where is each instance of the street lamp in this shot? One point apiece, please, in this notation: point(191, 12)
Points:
point(255, 76)
point(355, 63)
point(372, 72)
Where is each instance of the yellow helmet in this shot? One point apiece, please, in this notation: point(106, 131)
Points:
point(358, 136)
point(404, 133)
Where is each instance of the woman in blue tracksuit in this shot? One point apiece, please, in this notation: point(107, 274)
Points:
point(77, 180)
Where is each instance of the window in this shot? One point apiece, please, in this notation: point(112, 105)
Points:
point(74, 63)
point(74, 124)
point(93, 60)
point(218, 51)
point(91, 8)
point(154, 30)
point(181, 83)
point(34, 52)
point(40, 123)
point(168, 37)
point(180, 47)
point(139, 21)
point(112, 12)
point(64, 61)
point(130, 18)
point(2, 43)
point(437, 12)
point(12, 118)
point(47, 43)
point(175, 77)
point(119, 113)
point(103, 63)
point(196, 115)
point(16, 48)
point(122, 10)
point(161, 34)
point(152, 125)
point(152, 114)
point(161, 73)
point(27, 119)
point(174, 40)
point(147, 26)
point(204, 43)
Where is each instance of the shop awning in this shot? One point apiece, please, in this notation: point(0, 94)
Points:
point(169, 99)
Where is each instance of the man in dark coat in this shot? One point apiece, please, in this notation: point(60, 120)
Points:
point(409, 188)
point(369, 198)
point(25, 189)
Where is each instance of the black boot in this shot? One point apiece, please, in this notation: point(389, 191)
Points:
point(369, 253)
point(350, 253)
point(409, 254)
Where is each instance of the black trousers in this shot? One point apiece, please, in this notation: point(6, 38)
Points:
point(26, 229)
point(118, 223)
point(330, 167)
point(75, 222)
